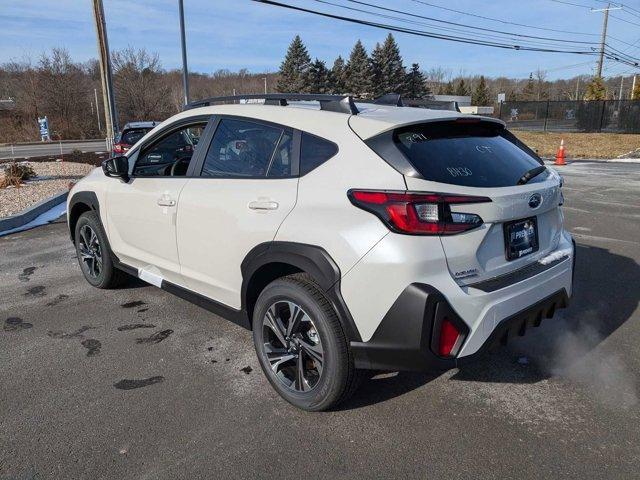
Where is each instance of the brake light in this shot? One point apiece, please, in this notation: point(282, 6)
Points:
point(120, 147)
point(418, 213)
point(449, 336)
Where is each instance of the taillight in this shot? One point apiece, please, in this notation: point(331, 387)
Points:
point(418, 213)
point(120, 148)
point(449, 339)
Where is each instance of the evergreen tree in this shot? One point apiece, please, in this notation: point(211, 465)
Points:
point(529, 90)
point(481, 96)
point(317, 78)
point(446, 89)
point(376, 71)
point(338, 77)
point(595, 90)
point(358, 72)
point(294, 67)
point(388, 71)
point(415, 84)
point(461, 89)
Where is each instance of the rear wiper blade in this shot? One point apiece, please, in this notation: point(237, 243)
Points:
point(534, 172)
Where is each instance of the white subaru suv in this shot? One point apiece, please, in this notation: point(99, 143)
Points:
point(347, 236)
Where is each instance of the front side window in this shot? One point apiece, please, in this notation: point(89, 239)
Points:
point(247, 149)
point(170, 156)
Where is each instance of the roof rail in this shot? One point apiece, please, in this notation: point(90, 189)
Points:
point(331, 103)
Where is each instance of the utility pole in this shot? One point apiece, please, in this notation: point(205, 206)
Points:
point(603, 38)
point(110, 112)
point(633, 89)
point(95, 93)
point(620, 95)
point(265, 85)
point(183, 41)
point(577, 87)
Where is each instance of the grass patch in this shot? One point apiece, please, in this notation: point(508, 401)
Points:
point(580, 145)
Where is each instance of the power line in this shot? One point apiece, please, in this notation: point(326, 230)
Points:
point(625, 8)
point(573, 4)
point(506, 22)
point(429, 34)
point(625, 20)
point(591, 8)
point(469, 26)
point(448, 29)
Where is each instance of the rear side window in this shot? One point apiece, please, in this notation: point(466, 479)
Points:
point(314, 151)
point(245, 149)
point(130, 137)
point(481, 154)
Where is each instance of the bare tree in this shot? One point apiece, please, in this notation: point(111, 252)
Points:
point(142, 92)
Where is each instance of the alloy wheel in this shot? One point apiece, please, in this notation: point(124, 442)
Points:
point(292, 346)
point(90, 251)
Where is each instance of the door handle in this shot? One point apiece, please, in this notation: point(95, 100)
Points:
point(263, 205)
point(166, 201)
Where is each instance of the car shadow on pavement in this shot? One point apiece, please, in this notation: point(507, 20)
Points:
point(606, 294)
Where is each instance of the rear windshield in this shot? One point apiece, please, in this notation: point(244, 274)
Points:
point(130, 137)
point(481, 154)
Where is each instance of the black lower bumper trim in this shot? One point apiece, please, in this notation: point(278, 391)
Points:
point(503, 281)
point(404, 339)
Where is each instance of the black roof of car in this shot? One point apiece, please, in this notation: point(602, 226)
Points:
point(131, 125)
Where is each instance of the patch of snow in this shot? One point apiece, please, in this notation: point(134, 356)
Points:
point(42, 219)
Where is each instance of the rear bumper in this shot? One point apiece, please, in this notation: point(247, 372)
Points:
point(404, 339)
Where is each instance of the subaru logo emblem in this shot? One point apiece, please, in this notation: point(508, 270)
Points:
point(535, 200)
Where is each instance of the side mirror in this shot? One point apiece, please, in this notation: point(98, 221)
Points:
point(116, 167)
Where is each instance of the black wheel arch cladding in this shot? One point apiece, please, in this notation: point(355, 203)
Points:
point(294, 257)
point(81, 202)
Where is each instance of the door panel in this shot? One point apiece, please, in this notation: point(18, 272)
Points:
point(141, 213)
point(141, 217)
point(219, 221)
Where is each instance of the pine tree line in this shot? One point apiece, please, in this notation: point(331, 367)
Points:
point(361, 75)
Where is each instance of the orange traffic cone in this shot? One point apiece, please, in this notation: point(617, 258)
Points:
point(560, 154)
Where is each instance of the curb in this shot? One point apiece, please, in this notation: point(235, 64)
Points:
point(31, 213)
point(587, 160)
point(53, 142)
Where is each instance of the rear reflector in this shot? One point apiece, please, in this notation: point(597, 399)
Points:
point(449, 336)
point(418, 213)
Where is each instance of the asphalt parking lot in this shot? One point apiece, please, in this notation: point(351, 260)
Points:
point(136, 383)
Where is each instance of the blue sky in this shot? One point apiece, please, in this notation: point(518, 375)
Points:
point(234, 34)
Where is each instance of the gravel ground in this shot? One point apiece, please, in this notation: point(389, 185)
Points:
point(52, 178)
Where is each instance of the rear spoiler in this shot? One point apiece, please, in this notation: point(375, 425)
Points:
point(396, 100)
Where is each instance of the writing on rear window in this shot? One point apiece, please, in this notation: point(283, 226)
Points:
point(459, 171)
point(481, 154)
point(415, 138)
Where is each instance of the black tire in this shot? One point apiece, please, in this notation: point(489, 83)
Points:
point(324, 383)
point(99, 269)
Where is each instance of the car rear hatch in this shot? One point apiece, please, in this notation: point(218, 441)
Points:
point(501, 202)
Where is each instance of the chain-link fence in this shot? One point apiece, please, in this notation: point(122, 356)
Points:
point(619, 116)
